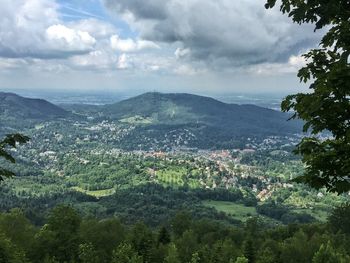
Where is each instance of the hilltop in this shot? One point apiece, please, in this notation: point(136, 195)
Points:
point(157, 120)
point(13, 105)
point(183, 109)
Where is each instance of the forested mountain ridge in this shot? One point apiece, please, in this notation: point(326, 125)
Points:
point(181, 108)
point(172, 109)
point(13, 105)
point(156, 120)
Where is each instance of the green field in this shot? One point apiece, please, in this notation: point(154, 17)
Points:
point(137, 120)
point(237, 211)
point(97, 193)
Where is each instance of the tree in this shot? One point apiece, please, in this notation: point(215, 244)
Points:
point(269, 250)
point(48, 259)
point(59, 237)
point(195, 258)
point(163, 236)
point(339, 220)
point(327, 106)
point(126, 254)
point(224, 250)
point(180, 223)
point(249, 250)
point(186, 245)
point(142, 240)
point(327, 254)
point(241, 260)
point(266, 256)
point(18, 229)
point(10, 140)
point(104, 236)
point(9, 253)
point(173, 255)
point(299, 248)
point(87, 253)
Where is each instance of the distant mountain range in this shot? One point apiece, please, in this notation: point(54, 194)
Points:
point(14, 106)
point(158, 118)
point(180, 109)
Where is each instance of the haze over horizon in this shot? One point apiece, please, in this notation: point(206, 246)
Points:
point(211, 47)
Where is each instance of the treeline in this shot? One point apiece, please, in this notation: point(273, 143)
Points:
point(154, 204)
point(151, 203)
point(67, 237)
point(283, 213)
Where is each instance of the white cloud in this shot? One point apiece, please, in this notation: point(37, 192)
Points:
point(123, 62)
point(32, 28)
point(95, 60)
point(61, 37)
point(297, 61)
point(272, 69)
point(145, 44)
point(96, 28)
point(130, 45)
point(12, 63)
point(171, 40)
point(182, 52)
point(185, 70)
point(124, 45)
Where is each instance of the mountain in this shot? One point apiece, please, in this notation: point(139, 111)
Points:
point(181, 108)
point(15, 106)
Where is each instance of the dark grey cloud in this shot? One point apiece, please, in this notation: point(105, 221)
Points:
point(220, 32)
point(150, 9)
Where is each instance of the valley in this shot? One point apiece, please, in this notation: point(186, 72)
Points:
point(140, 164)
point(174, 131)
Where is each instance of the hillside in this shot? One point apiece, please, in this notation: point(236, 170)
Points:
point(14, 106)
point(180, 109)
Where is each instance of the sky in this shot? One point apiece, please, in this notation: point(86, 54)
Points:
point(199, 46)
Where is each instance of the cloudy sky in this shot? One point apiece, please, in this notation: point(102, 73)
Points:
point(137, 45)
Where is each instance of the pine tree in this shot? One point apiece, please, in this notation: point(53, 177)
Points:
point(163, 236)
point(249, 250)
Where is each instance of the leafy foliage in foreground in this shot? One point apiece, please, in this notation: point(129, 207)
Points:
point(9, 141)
point(327, 106)
point(67, 237)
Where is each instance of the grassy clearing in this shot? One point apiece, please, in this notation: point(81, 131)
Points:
point(237, 211)
point(39, 126)
point(97, 193)
point(137, 120)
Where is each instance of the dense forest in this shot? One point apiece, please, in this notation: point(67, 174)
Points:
point(67, 237)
